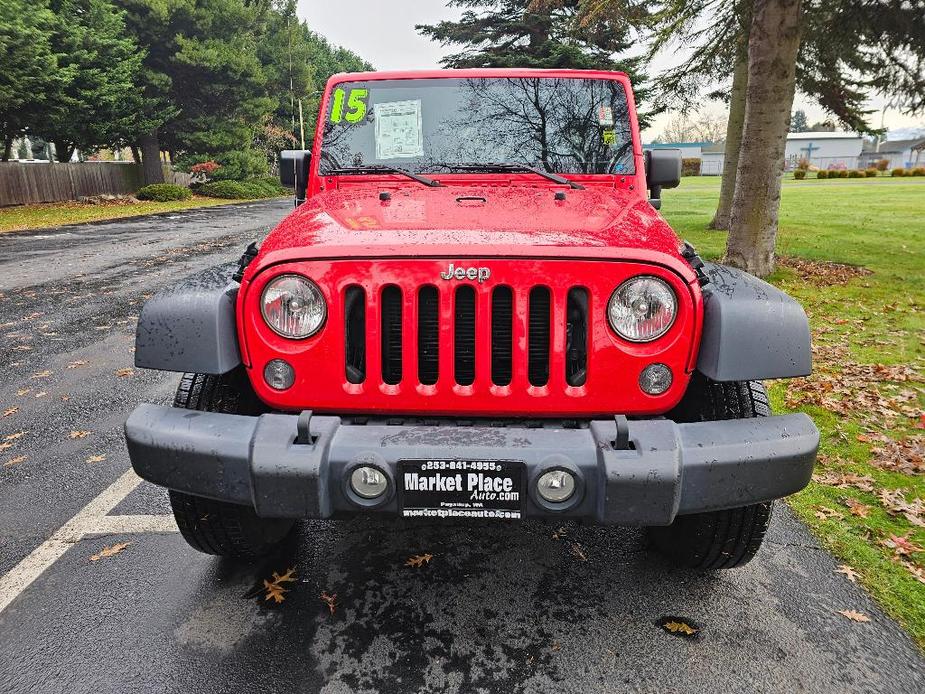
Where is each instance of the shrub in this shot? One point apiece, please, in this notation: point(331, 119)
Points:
point(803, 164)
point(843, 173)
point(871, 173)
point(690, 166)
point(250, 189)
point(854, 173)
point(883, 164)
point(898, 172)
point(162, 192)
point(799, 174)
point(822, 173)
point(205, 169)
point(918, 171)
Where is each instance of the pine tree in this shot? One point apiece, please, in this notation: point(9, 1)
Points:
point(538, 34)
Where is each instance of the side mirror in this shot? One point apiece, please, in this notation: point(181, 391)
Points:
point(293, 171)
point(663, 170)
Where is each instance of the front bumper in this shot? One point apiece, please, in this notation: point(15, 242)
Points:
point(670, 469)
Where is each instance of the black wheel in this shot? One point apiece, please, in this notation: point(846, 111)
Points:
point(217, 527)
point(718, 539)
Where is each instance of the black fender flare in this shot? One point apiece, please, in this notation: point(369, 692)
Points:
point(191, 326)
point(751, 330)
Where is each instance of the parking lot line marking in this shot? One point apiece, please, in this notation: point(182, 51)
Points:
point(115, 525)
point(25, 572)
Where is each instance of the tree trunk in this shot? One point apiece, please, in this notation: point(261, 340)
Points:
point(64, 151)
point(7, 148)
point(733, 142)
point(151, 158)
point(773, 43)
point(136, 154)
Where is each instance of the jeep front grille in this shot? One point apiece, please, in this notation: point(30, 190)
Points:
point(447, 327)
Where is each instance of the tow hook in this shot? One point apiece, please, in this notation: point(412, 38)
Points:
point(249, 254)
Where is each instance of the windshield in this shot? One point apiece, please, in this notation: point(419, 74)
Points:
point(560, 125)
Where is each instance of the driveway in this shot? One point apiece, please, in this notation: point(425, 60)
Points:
point(498, 608)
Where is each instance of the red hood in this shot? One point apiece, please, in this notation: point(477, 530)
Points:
point(474, 221)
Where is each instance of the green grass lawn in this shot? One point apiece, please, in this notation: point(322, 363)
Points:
point(867, 392)
point(55, 214)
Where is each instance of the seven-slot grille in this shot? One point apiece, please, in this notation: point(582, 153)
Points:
point(447, 328)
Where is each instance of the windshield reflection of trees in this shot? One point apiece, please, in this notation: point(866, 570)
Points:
point(548, 123)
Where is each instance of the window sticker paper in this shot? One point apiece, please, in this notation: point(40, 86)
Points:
point(605, 116)
point(399, 129)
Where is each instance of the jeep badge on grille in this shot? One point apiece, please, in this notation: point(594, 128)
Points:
point(461, 273)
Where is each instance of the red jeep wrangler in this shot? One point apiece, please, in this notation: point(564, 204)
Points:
point(476, 311)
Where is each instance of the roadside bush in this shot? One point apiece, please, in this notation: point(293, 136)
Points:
point(251, 189)
point(822, 173)
point(918, 171)
point(690, 166)
point(870, 173)
point(883, 164)
point(843, 173)
point(854, 173)
point(898, 172)
point(799, 174)
point(163, 192)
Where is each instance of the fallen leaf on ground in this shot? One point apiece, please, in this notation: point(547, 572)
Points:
point(77, 364)
point(678, 627)
point(854, 615)
point(577, 552)
point(13, 437)
point(904, 455)
point(329, 600)
point(901, 545)
point(6, 444)
point(15, 461)
point(79, 434)
point(917, 571)
point(895, 502)
point(42, 394)
point(275, 589)
point(110, 551)
point(96, 458)
point(559, 534)
point(22, 391)
point(418, 560)
point(41, 374)
point(125, 373)
point(10, 411)
point(842, 481)
point(848, 571)
point(824, 513)
point(857, 508)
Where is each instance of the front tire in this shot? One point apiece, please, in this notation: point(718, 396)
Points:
point(717, 539)
point(218, 527)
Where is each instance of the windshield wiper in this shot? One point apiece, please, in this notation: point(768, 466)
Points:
point(511, 166)
point(380, 168)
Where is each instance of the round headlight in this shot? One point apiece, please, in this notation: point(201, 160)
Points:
point(293, 306)
point(642, 309)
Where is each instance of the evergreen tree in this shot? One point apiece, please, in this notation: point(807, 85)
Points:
point(29, 73)
point(94, 107)
point(538, 34)
point(798, 123)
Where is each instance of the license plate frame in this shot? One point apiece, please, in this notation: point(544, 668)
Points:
point(484, 495)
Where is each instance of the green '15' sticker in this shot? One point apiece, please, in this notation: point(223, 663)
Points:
point(355, 103)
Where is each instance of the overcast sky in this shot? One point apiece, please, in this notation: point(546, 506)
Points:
point(382, 31)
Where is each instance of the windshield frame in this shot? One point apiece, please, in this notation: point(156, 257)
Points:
point(317, 178)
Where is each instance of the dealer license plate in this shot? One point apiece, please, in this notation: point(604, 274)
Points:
point(462, 489)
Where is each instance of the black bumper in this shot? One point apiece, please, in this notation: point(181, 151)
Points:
point(671, 468)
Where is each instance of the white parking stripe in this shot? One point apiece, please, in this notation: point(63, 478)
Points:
point(91, 519)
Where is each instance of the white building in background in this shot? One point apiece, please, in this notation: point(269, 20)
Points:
point(822, 150)
point(901, 154)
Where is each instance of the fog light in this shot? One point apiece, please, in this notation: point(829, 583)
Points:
point(556, 486)
point(278, 374)
point(655, 379)
point(368, 482)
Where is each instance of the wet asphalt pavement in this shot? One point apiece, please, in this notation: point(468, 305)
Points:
point(510, 608)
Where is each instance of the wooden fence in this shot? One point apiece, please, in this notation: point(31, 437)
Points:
point(25, 184)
